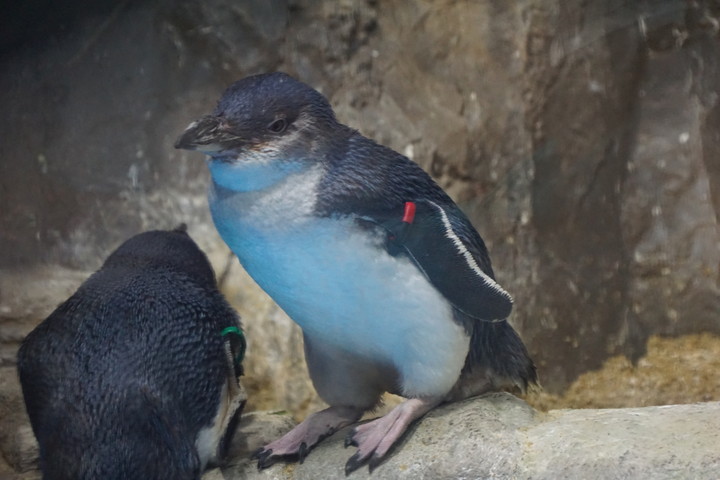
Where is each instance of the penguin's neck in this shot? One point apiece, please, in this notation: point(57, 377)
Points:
point(283, 205)
point(252, 174)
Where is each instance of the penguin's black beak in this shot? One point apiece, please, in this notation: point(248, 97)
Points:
point(208, 134)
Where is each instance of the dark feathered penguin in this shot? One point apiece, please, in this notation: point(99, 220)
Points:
point(391, 284)
point(135, 375)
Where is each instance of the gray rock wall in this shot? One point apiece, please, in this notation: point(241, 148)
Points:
point(581, 138)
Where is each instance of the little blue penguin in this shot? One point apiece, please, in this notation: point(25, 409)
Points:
point(136, 374)
point(389, 281)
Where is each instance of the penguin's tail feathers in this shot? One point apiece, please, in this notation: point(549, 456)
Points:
point(497, 360)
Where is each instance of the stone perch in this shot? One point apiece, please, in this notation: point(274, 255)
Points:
point(494, 436)
point(499, 436)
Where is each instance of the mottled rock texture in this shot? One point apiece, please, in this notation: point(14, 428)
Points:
point(498, 436)
point(580, 136)
point(493, 436)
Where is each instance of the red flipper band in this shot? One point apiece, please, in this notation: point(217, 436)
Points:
point(409, 214)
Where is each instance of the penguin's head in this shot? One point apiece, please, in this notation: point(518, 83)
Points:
point(166, 250)
point(264, 128)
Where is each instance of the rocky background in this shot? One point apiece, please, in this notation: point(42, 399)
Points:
point(582, 137)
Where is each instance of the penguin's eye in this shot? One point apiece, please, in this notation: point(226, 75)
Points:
point(278, 126)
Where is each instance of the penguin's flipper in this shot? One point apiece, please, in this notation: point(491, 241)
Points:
point(235, 346)
point(425, 232)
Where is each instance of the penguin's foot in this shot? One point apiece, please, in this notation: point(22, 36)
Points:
point(375, 438)
point(298, 442)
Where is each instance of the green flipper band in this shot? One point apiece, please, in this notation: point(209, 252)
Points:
point(243, 345)
point(234, 330)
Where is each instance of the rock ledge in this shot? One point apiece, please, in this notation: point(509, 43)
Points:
point(500, 436)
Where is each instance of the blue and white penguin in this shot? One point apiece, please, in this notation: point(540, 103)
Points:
point(135, 375)
point(390, 283)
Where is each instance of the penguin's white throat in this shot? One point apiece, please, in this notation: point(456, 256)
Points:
point(251, 173)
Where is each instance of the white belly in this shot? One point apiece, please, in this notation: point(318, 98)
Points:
point(342, 288)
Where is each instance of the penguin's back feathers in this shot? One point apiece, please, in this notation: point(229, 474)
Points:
point(135, 353)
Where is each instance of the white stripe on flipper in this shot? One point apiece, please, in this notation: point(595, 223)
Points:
point(450, 233)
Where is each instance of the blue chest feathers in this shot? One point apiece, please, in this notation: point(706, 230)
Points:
point(339, 284)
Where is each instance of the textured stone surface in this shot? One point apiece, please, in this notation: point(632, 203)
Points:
point(499, 436)
point(26, 297)
point(664, 442)
point(669, 217)
point(17, 442)
point(580, 137)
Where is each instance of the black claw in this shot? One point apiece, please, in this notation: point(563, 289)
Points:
point(265, 459)
point(302, 452)
point(354, 463)
point(350, 439)
point(256, 454)
point(375, 460)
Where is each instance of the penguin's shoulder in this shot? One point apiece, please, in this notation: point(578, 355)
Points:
point(364, 175)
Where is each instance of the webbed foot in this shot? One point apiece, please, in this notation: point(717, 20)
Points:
point(297, 443)
point(375, 438)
